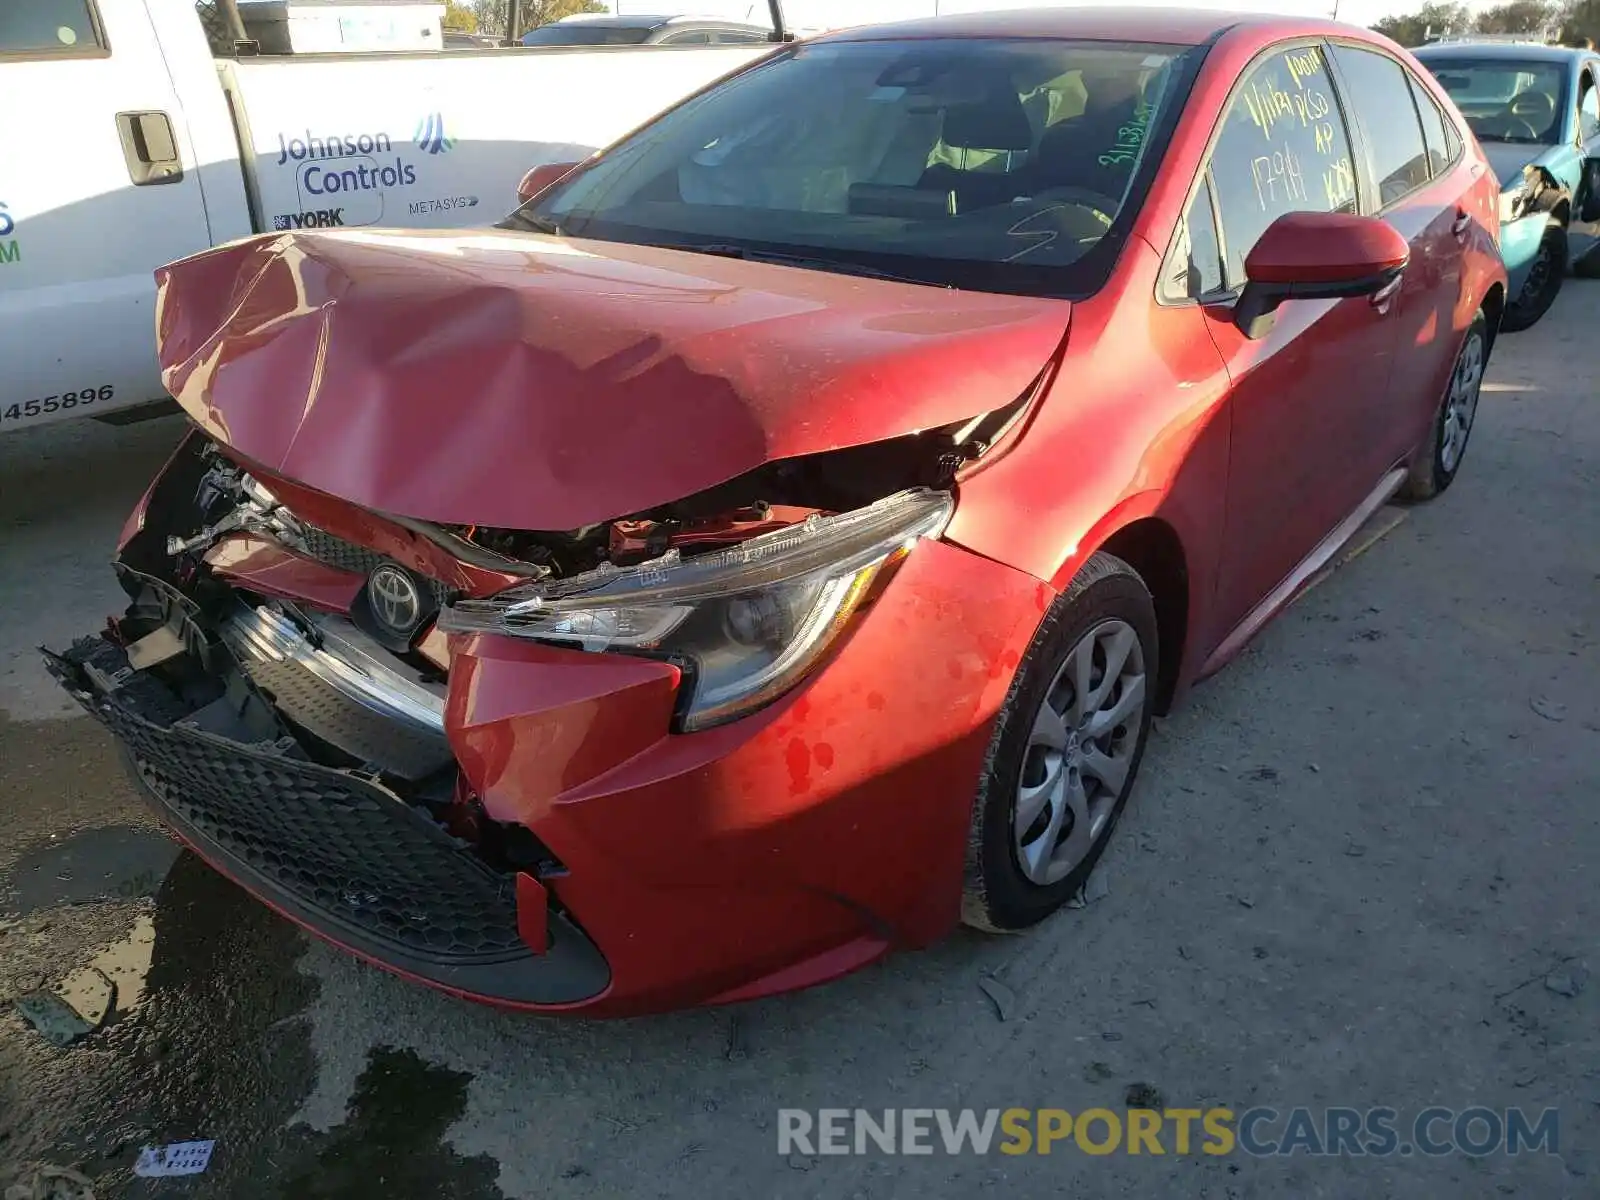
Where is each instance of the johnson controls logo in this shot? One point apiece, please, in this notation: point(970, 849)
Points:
point(8, 248)
point(431, 137)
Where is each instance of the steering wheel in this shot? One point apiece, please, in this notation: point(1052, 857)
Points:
point(1101, 205)
point(1504, 126)
point(1533, 109)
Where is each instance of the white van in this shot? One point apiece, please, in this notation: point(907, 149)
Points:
point(126, 145)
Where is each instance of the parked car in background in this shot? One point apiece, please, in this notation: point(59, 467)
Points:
point(131, 127)
point(771, 545)
point(1536, 111)
point(630, 30)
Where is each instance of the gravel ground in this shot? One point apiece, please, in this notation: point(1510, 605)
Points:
point(1358, 872)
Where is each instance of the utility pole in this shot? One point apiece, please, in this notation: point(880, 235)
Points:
point(230, 15)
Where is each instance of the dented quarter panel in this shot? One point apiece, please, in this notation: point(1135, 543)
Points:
point(748, 834)
point(517, 380)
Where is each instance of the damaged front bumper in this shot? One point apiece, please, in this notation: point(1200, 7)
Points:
point(336, 851)
point(524, 824)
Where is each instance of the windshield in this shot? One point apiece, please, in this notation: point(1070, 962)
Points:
point(583, 34)
point(1505, 100)
point(998, 165)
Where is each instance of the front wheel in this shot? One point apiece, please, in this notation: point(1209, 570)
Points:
point(1436, 464)
point(1543, 285)
point(1065, 750)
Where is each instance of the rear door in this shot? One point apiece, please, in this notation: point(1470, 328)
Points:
point(1301, 458)
point(97, 189)
point(1428, 204)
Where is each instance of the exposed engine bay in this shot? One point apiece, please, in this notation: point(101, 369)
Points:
point(229, 498)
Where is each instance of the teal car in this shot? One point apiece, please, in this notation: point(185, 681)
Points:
point(1536, 111)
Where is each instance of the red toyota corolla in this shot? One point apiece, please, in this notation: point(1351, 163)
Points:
point(768, 548)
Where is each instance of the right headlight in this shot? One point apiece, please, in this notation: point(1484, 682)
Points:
point(746, 623)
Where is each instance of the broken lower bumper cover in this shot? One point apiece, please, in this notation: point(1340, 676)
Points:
point(331, 849)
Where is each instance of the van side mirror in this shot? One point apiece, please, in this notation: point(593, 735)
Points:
point(1317, 256)
point(541, 178)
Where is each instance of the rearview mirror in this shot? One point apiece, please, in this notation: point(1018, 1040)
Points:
point(541, 178)
point(1317, 256)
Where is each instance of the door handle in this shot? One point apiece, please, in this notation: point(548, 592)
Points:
point(1461, 225)
point(150, 148)
point(1382, 298)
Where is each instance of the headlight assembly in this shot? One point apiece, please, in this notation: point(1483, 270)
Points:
point(746, 623)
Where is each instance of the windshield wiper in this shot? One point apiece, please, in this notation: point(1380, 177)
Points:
point(784, 259)
point(528, 223)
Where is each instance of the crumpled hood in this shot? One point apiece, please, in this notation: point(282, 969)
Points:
point(1508, 159)
point(514, 380)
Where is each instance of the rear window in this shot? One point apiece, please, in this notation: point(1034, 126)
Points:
point(42, 27)
point(988, 163)
point(1381, 96)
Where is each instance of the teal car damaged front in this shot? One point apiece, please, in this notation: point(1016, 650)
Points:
point(1536, 111)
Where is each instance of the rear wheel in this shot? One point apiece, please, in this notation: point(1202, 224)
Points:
point(1543, 285)
point(1435, 466)
point(1065, 751)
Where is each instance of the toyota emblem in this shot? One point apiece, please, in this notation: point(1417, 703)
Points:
point(394, 598)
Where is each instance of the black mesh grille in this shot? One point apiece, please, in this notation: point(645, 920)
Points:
point(338, 553)
point(340, 845)
point(333, 551)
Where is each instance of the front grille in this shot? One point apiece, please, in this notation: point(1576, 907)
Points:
point(334, 551)
point(336, 843)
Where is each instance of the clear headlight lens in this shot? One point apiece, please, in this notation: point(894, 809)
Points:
point(747, 623)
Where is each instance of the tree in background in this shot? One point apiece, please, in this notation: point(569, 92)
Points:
point(1520, 16)
point(1431, 20)
point(459, 16)
point(1535, 17)
point(493, 14)
point(1582, 19)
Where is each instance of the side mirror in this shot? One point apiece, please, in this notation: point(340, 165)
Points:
point(1317, 256)
point(541, 178)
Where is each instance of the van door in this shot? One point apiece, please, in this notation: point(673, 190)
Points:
point(98, 187)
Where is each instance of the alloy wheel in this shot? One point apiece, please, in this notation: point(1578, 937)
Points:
point(1461, 403)
point(1079, 752)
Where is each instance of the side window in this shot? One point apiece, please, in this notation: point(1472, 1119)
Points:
point(1588, 108)
point(1283, 149)
point(692, 37)
point(47, 27)
point(1433, 136)
point(729, 37)
point(1195, 268)
point(1382, 100)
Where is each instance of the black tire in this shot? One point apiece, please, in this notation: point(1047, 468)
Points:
point(1543, 285)
point(997, 895)
point(1432, 470)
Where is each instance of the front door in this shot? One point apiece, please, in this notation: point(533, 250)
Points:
point(1301, 452)
point(1583, 237)
point(98, 187)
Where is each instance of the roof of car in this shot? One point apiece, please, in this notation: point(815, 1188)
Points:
point(1523, 51)
point(1169, 26)
point(640, 21)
